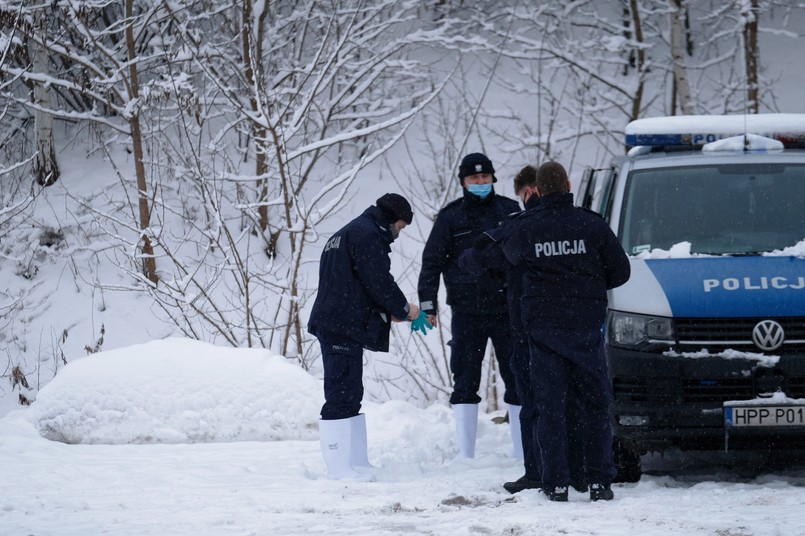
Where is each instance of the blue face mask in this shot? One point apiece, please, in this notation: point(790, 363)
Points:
point(481, 190)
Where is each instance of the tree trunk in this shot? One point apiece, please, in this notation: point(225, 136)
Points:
point(627, 34)
point(46, 167)
point(681, 83)
point(751, 54)
point(252, 58)
point(149, 262)
point(637, 100)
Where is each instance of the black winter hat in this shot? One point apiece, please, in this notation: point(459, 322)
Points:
point(475, 163)
point(395, 207)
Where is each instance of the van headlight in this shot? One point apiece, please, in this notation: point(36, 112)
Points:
point(638, 331)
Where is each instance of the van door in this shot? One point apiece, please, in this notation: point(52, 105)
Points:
point(595, 190)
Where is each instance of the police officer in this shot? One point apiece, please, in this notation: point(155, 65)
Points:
point(570, 258)
point(356, 301)
point(487, 254)
point(478, 304)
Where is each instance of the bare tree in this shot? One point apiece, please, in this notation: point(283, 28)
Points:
point(253, 39)
point(749, 16)
point(678, 52)
point(320, 99)
point(93, 42)
point(46, 167)
point(133, 96)
point(640, 59)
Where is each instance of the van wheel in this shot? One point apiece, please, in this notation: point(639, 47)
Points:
point(626, 456)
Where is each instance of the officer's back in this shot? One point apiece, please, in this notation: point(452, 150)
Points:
point(571, 258)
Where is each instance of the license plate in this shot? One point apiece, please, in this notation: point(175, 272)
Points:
point(743, 416)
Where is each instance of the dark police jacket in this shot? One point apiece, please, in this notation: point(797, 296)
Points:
point(570, 258)
point(454, 230)
point(357, 294)
point(486, 255)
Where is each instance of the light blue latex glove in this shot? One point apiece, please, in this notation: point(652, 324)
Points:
point(421, 323)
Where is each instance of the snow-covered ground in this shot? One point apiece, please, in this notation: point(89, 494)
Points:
point(178, 437)
point(181, 437)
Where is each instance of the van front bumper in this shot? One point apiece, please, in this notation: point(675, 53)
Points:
point(666, 400)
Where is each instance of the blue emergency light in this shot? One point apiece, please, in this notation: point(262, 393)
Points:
point(698, 130)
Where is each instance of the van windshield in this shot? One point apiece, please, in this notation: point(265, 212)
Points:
point(721, 209)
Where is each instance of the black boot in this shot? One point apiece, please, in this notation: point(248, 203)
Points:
point(601, 492)
point(522, 483)
point(556, 493)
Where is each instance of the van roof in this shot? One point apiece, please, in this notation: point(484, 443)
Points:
point(691, 132)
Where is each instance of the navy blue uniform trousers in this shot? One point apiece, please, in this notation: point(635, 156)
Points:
point(342, 358)
point(467, 348)
point(532, 459)
point(568, 364)
point(521, 367)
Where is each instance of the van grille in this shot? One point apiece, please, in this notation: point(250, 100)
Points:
point(717, 334)
point(693, 391)
point(736, 332)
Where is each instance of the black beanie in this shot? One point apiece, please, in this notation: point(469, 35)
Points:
point(395, 207)
point(475, 163)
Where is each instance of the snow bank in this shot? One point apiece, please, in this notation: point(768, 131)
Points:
point(677, 251)
point(797, 250)
point(682, 251)
point(178, 391)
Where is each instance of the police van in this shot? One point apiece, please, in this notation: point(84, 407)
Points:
point(706, 342)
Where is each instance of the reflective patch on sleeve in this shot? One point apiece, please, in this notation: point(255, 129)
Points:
point(426, 305)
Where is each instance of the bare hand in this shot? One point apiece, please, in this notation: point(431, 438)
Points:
point(433, 321)
point(413, 311)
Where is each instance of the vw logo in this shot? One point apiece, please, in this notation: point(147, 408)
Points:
point(768, 335)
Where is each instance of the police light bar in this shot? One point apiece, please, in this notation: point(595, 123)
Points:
point(697, 130)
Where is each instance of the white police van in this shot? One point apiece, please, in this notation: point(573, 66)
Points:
point(706, 342)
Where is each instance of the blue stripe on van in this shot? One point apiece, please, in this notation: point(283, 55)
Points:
point(724, 287)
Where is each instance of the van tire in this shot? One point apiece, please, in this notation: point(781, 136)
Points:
point(626, 456)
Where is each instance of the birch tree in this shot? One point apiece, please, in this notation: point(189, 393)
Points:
point(46, 167)
point(750, 10)
point(98, 55)
point(682, 95)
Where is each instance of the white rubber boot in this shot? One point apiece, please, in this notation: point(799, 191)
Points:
point(466, 428)
point(335, 437)
point(359, 458)
point(517, 436)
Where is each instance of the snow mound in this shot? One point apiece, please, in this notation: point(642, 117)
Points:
point(751, 142)
point(178, 391)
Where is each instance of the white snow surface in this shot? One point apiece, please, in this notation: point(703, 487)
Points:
point(752, 142)
point(177, 437)
point(761, 124)
point(761, 359)
point(267, 399)
point(797, 250)
point(682, 251)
